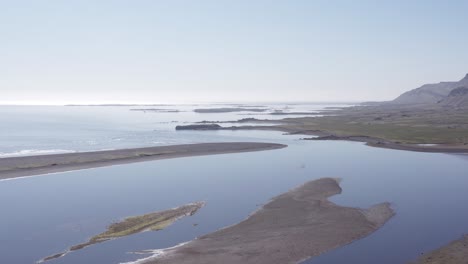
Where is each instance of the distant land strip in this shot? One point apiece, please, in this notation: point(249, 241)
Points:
point(418, 138)
point(43, 164)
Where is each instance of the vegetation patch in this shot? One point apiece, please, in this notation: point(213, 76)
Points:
point(136, 224)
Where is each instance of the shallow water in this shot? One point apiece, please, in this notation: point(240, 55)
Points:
point(44, 215)
point(33, 130)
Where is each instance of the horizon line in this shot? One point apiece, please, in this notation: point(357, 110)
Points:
point(173, 103)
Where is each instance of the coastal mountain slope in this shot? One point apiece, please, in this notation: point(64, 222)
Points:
point(430, 93)
point(457, 98)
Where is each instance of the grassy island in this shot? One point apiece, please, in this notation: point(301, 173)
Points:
point(136, 224)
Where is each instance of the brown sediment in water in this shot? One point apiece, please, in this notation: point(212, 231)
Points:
point(455, 252)
point(135, 224)
point(292, 227)
point(43, 164)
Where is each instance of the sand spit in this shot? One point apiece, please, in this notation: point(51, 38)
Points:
point(454, 253)
point(135, 224)
point(43, 164)
point(292, 227)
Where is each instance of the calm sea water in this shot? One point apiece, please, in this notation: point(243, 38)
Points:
point(47, 214)
point(27, 130)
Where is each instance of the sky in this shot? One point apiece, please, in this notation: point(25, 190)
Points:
point(173, 51)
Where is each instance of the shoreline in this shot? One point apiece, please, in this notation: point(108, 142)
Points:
point(382, 143)
point(15, 167)
point(294, 226)
point(455, 252)
point(325, 135)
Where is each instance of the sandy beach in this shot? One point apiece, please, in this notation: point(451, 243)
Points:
point(36, 165)
point(292, 227)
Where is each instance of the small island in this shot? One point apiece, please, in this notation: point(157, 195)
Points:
point(199, 127)
point(136, 224)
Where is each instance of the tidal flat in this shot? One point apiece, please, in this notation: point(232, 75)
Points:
point(59, 203)
point(292, 227)
point(427, 129)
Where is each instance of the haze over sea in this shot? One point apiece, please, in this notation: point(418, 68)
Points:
point(28, 130)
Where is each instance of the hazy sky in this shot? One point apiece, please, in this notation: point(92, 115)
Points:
point(185, 51)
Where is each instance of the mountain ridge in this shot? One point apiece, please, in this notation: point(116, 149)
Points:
point(430, 93)
point(457, 98)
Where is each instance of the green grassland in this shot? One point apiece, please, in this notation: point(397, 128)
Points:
point(404, 125)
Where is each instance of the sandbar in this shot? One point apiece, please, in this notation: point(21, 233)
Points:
point(292, 227)
point(43, 164)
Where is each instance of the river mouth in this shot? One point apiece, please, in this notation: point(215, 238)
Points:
point(57, 210)
point(47, 214)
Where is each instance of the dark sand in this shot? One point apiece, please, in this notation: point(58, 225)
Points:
point(43, 164)
point(292, 227)
point(136, 224)
point(454, 253)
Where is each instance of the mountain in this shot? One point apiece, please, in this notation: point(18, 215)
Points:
point(458, 98)
point(430, 93)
